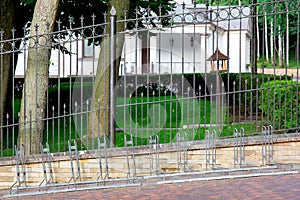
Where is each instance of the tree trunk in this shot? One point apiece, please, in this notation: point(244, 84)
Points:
point(6, 24)
point(280, 60)
point(287, 38)
point(99, 120)
point(266, 37)
point(272, 39)
point(258, 39)
point(36, 78)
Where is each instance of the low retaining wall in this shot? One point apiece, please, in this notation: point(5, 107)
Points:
point(286, 150)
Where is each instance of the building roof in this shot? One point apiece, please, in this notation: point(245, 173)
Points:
point(217, 55)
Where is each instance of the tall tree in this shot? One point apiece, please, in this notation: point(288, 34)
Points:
point(35, 86)
point(102, 74)
point(280, 50)
point(266, 36)
point(258, 38)
point(6, 24)
point(101, 96)
point(287, 35)
point(272, 43)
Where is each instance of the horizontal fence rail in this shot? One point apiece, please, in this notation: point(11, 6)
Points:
point(200, 69)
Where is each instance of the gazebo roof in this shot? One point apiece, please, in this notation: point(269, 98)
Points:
point(217, 56)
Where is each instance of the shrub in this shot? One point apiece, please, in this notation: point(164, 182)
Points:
point(279, 103)
point(247, 85)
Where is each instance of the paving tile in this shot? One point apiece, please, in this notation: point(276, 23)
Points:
point(266, 187)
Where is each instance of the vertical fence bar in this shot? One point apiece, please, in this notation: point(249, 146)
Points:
point(53, 127)
point(1, 89)
point(297, 64)
point(59, 88)
point(87, 124)
point(70, 82)
point(171, 78)
point(48, 47)
point(112, 57)
point(13, 91)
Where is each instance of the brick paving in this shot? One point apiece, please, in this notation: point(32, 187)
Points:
point(264, 187)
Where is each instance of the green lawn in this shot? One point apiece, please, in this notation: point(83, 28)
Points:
point(160, 112)
point(143, 117)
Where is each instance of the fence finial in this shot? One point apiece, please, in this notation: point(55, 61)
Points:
point(113, 11)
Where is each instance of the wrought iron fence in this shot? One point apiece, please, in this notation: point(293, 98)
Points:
point(201, 69)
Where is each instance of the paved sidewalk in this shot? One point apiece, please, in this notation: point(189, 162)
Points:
point(264, 187)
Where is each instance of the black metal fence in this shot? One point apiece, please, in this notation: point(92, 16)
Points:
point(201, 69)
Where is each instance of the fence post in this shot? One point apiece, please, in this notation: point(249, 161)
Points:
point(112, 60)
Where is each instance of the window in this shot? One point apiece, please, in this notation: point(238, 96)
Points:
point(88, 50)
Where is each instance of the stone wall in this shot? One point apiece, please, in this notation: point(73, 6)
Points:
point(286, 150)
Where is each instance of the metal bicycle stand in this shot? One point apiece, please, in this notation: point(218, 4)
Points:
point(48, 161)
point(102, 146)
point(181, 140)
point(210, 149)
point(239, 147)
point(153, 142)
point(20, 159)
point(74, 149)
point(267, 145)
point(130, 143)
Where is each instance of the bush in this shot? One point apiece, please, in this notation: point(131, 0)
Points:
point(245, 87)
point(279, 103)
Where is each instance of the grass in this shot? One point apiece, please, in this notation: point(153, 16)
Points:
point(161, 112)
point(142, 117)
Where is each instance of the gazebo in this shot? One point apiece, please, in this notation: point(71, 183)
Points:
point(217, 57)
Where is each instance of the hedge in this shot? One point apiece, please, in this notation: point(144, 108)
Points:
point(279, 102)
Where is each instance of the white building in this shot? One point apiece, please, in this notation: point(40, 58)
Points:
point(185, 47)
point(182, 48)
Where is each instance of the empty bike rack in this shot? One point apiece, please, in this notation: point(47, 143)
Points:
point(153, 142)
point(48, 161)
point(210, 148)
point(130, 143)
point(267, 144)
point(71, 150)
point(239, 147)
point(181, 140)
point(20, 160)
point(102, 147)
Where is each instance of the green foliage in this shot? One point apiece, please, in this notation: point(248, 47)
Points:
point(244, 89)
point(28, 1)
point(279, 102)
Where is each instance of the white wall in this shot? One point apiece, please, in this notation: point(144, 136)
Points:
point(64, 65)
point(239, 52)
point(168, 59)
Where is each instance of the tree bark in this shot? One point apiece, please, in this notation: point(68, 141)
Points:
point(287, 38)
point(36, 78)
point(99, 119)
point(266, 36)
point(280, 59)
point(6, 24)
point(272, 44)
point(258, 38)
